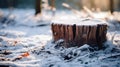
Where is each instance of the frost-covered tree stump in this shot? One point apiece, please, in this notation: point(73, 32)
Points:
point(80, 32)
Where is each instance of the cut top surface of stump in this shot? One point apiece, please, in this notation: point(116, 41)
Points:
point(85, 22)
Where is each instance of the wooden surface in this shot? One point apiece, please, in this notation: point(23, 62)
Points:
point(78, 35)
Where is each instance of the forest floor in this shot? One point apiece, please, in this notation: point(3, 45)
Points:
point(26, 41)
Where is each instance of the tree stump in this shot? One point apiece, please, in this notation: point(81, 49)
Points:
point(77, 33)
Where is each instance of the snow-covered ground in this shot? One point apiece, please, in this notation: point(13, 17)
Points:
point(28, 43)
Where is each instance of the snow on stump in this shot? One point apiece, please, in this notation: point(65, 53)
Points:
point(80, 32)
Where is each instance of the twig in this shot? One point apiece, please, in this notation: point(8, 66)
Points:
point(70, 8)
point(89, 12)
point(112, 39)
point(109, 56)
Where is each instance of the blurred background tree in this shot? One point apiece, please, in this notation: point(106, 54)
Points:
point(38, 7)
point(76, 4)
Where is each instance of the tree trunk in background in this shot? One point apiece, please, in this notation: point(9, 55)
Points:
point(111, 6)
point(52, 4)
point(38, 7)
point(53, 7)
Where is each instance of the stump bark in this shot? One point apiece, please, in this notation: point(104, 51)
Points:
point(78, 34)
